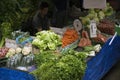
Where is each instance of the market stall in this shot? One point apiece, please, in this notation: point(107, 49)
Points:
point(84, 50)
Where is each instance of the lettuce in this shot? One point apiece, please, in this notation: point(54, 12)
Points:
point(47, 40)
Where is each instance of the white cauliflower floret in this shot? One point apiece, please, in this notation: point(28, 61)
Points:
point(26, 50)
point(10, 52)
point(18, 50)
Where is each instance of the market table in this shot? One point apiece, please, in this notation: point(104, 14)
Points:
point(99, 65)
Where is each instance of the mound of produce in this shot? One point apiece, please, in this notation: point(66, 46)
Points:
point(69, 37)
point(107, 26)
point(54, 66)
point(47, 40)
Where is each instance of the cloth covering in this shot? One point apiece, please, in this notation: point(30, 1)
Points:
point(9, 74)
point(99, 65)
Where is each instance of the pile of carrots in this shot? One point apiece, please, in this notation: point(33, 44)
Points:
point(69, 37)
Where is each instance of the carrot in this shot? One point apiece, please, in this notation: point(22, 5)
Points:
point(69, 37)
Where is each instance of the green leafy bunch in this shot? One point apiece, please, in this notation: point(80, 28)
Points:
point(47, 40)
point(70, 66)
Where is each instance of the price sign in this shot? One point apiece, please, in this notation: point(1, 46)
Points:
point(93, 29)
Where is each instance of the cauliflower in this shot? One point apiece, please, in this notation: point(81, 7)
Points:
point(10, 53)
point(26, 50)
point(18, 50)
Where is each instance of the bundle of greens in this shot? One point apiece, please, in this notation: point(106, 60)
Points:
point(6, 31)
point(55, 66)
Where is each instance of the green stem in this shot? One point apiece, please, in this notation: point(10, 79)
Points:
point(2, 42)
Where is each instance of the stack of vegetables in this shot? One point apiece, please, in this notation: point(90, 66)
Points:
point(107, 26)
point(52, 65)
point(19, 57)
point(69, 37)
point(97, 15)
point(47, 40)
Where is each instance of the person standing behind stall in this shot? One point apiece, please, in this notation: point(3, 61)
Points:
point(40, 20)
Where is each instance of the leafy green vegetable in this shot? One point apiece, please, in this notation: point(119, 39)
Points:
point(6, 29)
point(54, 66)
point(46, 56)
point(47, 40)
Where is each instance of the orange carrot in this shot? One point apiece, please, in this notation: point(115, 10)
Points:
point(69, 37)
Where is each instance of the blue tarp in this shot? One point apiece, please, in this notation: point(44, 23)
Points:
point(99, 65)
point(9, 74)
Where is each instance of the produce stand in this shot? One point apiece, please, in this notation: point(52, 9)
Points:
point(97, 66)
point(81, 51)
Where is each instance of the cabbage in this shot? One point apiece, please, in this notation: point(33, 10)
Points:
point(47, 40)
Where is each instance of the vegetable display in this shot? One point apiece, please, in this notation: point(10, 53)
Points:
point(47, 40)
point(69, 37)
point(54, 66)
point(97, 15)
point(24, 51)
point(19, 57)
